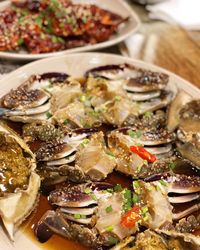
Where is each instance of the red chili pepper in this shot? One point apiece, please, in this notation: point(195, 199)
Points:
point(130, 218)
point(143, 153)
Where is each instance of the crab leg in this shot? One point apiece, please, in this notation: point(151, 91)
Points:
point(192, 209)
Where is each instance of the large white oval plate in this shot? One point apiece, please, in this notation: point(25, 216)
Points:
point(76, 65)
point(125, 30)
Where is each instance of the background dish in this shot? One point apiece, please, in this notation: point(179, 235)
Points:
point(118, 6)
point(73, 64)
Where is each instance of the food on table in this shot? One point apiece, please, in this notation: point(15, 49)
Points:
point(53, 25)
point(114, 118)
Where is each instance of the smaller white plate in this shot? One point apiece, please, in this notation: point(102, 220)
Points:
point(119, 7)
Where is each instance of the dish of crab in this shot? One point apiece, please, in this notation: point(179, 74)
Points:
point(32, 29)
point(105, 155)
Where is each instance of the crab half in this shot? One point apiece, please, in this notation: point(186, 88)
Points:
point(19, 184)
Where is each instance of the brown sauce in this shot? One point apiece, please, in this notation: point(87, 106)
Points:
point(57, 242)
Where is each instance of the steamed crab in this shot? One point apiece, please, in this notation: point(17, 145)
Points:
point(100, 214)
point(19, 184)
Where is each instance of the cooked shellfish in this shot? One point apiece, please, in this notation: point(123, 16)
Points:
point(19, 184)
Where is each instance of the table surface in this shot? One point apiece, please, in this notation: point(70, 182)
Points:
point(166, 45)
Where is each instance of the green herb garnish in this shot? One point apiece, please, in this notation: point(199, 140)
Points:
point(162, 182)
point(49, 115)
point(84, 142)
point(135, 134)
point(135, 198)
point(88, 191)
point(127, 200)
point(109, 229)
point(109, 209)
point(66, 121)
point(118, 188)
point(110, 190)
point(77, 216)
point(20, 41)
point(113, 240)
point(83, 98)
point(171, 165)
point(93, 196)
point(148, 114)
point(110, 155)
point(118, 98)
point(145, 213)
point(145, 162)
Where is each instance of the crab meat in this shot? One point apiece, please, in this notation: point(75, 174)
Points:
point(130, 163)
point(158, 201)
point(20, 184)
point(94, 158)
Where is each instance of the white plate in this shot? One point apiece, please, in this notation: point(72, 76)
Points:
point(125, 30)
point(75, 64)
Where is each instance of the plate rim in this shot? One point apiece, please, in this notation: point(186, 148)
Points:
point(142, 63)
point(113, 41)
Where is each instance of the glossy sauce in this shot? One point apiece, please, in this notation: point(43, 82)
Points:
point(57, 242)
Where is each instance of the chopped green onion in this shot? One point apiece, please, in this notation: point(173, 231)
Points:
point(84, 19)
point(118, 98)
point(118, 188)
point(94, 113)
point(110, 155)
point(20, 41)
point(109, 229)
point(110, 190)
point(138, 169)
point(39, 20)
point(127, 200)
point(83, 98)
point(162, 182)
point(88, 191)
point(66, 121)
point(135, 198)
point(135, 134)
point(136, 184)
point(93, 196)
point(171, 165)
point(109, 209)
point(144, 210)
point(77, 216)
point(49, 115)
point(148, 114)
point(84, 142)
point(145, 162)
point(54, 39)
point(113, 240)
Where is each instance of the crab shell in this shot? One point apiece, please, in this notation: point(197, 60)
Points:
point(15, 207)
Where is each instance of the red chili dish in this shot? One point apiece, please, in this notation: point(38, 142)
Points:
point(53, 25)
